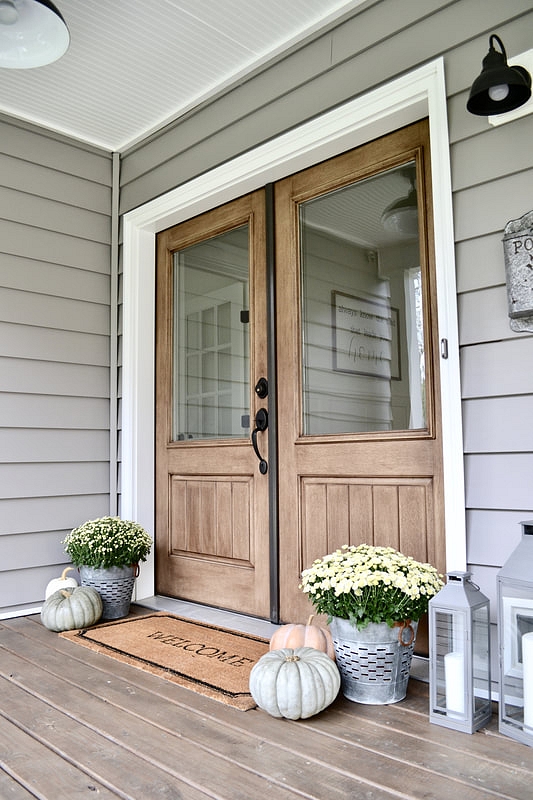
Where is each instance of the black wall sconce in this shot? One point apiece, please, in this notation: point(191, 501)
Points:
point(499, 88)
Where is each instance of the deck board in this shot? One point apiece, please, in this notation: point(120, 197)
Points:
point(75, 723)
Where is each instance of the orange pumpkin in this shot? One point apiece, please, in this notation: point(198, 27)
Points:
point(293, 636)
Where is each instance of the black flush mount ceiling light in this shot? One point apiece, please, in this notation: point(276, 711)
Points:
point(499, 87)
point(32, 33)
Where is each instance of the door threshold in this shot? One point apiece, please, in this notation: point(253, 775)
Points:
point(210, 615)
point(243, 623)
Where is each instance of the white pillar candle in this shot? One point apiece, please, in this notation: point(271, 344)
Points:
point(527, 662)
point(454, 675)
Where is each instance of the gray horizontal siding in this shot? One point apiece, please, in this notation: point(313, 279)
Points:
point(47, 446)
point(494, 530)
point(28, 275)
point(27, 143)
point(29, 308)
point(30, 178)
point(55, 205)
point(51, 247)
point(499, 480)
point(51, 378)
point(483, 316)
point(56, 514)
point(34, 549)
point(498, 424)
point(54, 411)
point(498, 369)
point(487, 207)
point(50, 215)
point(18, 480)
point(479, 263)
point(50, 344)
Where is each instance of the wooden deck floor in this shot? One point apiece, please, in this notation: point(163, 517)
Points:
point(77, 724)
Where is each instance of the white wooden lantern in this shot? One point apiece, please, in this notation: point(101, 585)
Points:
point(459, 647)
point(515, 640)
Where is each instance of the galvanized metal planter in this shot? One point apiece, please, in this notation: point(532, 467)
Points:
point(375, 662)
point(114, 585)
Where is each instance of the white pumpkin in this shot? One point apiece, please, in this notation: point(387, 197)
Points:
point(294, 683)
point(56, 584)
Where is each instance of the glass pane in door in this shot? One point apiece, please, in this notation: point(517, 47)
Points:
point(362, 290)
point(210, 339)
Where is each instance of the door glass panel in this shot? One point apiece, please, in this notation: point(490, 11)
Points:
point(362, 294)
point(210, 352)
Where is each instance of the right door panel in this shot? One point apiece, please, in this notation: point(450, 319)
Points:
point(360, 451)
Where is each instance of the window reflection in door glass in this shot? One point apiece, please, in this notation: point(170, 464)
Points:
point(210, 339)
point(362, 295)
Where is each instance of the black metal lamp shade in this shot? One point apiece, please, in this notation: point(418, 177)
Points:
point(499, 88)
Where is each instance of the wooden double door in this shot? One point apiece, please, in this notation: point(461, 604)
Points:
point(297, 402)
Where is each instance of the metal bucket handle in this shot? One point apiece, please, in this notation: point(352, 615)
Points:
point(405, 626)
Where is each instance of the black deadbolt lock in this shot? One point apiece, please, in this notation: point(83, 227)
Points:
point(261, 388)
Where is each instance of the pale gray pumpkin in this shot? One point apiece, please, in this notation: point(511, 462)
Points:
point(72, 608)
point(294, 683)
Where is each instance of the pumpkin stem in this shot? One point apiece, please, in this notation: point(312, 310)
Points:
point(310, 620)
point(64, 573)
point(292, 658)
point(65, 592)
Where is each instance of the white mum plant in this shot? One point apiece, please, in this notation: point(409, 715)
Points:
point(370, 584)
point(108, 542)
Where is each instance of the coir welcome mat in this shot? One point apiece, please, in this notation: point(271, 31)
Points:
point(212, 661)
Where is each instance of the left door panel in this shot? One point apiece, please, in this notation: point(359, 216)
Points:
point(211, 499)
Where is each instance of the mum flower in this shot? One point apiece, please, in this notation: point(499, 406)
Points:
point(108, 542)
point(370, 584)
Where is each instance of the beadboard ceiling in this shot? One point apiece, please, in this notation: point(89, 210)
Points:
point(134, 65)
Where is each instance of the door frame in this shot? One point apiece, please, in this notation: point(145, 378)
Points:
point(420, 93)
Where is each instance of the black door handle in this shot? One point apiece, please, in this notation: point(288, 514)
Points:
point(261, 424)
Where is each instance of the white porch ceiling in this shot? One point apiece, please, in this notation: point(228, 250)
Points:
point(134, 65)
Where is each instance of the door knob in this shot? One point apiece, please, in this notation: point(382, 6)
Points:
point(261, 424)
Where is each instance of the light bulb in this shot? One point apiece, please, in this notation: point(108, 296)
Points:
point(498, 92)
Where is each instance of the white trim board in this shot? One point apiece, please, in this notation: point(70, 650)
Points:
point(416, 95)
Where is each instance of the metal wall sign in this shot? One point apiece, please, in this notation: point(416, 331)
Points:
point(518, 251)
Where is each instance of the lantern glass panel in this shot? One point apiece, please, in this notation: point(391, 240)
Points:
point(480, 659)
point(450, 661)
point(516, 610)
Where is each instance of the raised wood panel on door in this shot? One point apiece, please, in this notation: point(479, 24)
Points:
point(374, 511)
point(211, 516)
point(211, 523)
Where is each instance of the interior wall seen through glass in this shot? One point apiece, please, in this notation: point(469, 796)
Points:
point(362, 332)
point(211, 339)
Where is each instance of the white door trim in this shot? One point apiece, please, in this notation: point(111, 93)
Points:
point(418, 94)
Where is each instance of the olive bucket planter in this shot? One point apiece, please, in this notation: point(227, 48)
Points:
point(114, 585)
point(374, 663)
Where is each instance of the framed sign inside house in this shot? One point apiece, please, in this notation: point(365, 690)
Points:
point(365, 336)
